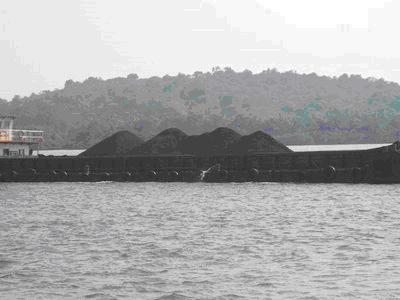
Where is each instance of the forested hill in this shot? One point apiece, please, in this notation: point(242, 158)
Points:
point(294, 108)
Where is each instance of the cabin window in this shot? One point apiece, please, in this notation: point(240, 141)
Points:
point(6, 152)
point(21, 152)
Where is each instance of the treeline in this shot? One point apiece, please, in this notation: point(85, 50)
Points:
point(294, 108)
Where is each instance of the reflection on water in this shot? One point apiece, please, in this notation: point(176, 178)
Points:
point(199, 241)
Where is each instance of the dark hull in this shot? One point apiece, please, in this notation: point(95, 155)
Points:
point(379, 165)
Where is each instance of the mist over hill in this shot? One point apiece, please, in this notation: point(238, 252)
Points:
point(293, 108)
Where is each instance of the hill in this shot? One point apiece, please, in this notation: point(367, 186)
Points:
point(117, 144)
point(294, 108)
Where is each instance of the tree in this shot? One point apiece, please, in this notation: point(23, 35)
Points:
point(16, 98)
point(216, 69)
point(132, 76)
point(68, 83)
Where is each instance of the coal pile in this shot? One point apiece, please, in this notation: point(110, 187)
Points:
point(173, 141)
point(258, 142)
point(217, 142)
point(120, 143)
point(166, 142)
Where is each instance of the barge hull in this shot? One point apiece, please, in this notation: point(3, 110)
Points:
point(379, 165)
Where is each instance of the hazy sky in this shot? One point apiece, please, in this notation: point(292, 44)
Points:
point(45, 42)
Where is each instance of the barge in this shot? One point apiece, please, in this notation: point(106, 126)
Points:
point(19, 163)
point(378, 165)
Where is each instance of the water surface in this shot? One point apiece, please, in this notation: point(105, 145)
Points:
point(199, 241)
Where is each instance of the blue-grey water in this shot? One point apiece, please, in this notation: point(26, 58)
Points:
point(199, 241)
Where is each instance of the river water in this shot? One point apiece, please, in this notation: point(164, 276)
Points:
point(199, 241)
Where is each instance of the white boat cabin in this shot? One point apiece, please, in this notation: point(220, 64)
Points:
point(17, 142)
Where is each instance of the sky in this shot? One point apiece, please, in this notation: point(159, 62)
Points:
point(43, 43)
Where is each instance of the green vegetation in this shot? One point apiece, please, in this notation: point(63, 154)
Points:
point(296, 108)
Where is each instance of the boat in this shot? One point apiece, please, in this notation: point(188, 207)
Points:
point(377, 165)
point(18, 142)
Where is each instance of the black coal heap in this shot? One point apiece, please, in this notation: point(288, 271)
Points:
point(173, 141)
point(120, 143)
point(166, 142)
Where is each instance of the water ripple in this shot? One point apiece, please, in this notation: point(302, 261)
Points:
point(199, 241)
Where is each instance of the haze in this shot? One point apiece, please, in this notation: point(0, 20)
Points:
point(43, 43)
